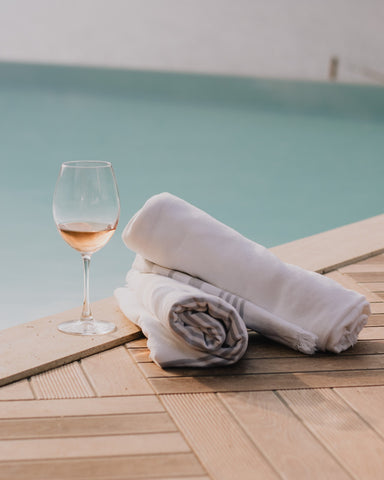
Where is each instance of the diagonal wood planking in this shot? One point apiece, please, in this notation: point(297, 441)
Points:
point(281, 436)
point(89, 407)
point(44, 347)
point(114, 372)
point(217, 439)
point(67, 381)
point(349, 438)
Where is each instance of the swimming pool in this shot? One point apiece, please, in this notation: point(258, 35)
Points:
point(277, 160)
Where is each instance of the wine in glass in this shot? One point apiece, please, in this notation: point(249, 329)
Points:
point(86, 210)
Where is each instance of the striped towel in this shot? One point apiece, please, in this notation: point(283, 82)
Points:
point(175, 234)
point(255, 317)
point(185, 326)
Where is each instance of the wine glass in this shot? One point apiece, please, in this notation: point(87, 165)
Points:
point(86, 210)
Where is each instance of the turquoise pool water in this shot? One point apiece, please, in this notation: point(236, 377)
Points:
point(276, 160)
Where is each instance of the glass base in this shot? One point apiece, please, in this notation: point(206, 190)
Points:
point(85, 327)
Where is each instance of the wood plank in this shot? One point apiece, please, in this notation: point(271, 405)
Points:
point(317, 363)
point(368, 403)
point(87, 447)
point(357, 447)
point(371, 260)
point(348, 282)
point(372, 333)
point(141, 355)
point(103, 468)
point(366, 347)
point(377, 307)
point(67, 381)
point(281, 437)
point(180, 478)
point(80, 406)
point(114, 372)
point(262, 347)
point(217, 439)
point(85, 426)
point(367, 277)
point(16, 391)
point(272, 381)
point(362, 268)
point(44, 347)
point(332, 249)
point(258, 347)
point(266, 348)
point(138, 343)
point(376, 320)
point(375, 286)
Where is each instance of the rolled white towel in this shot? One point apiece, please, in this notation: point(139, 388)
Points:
point(255, 317)
point(174, 234)
point(184, 325)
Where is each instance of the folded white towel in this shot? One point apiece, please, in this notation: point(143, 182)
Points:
point(184, 325)
point(173, 233)
point(255, 317)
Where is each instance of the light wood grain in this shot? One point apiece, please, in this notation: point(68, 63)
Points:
point(141, 355)
point(375, 286)
point(16, 391)
point(239, 383)
point(372, 333)
point(348, 282)
point(114, 372)
point(85, 426)
point(341, 430)
point(281, 437)
point(180, 478)
point(137, 343)
point(376, 320)
point(368, 402)
point(367, 277)
point(44, 347)
point(103, 468)
point(67, 381)
point(377, 308)
point(362, 268)
point(316, 363)
point(332, 249)
point(81, 447)
point(80, 406)
point(372, 260)
point(218, 441)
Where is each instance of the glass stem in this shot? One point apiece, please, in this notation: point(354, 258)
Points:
point(86, 314)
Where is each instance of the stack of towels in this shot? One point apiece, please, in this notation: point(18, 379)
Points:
point(197, 285)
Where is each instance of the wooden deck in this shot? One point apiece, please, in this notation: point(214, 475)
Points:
point(277, 414)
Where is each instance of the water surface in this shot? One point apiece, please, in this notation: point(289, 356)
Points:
point(276, 160)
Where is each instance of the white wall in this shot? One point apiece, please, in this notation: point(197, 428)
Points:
point(268, 38)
